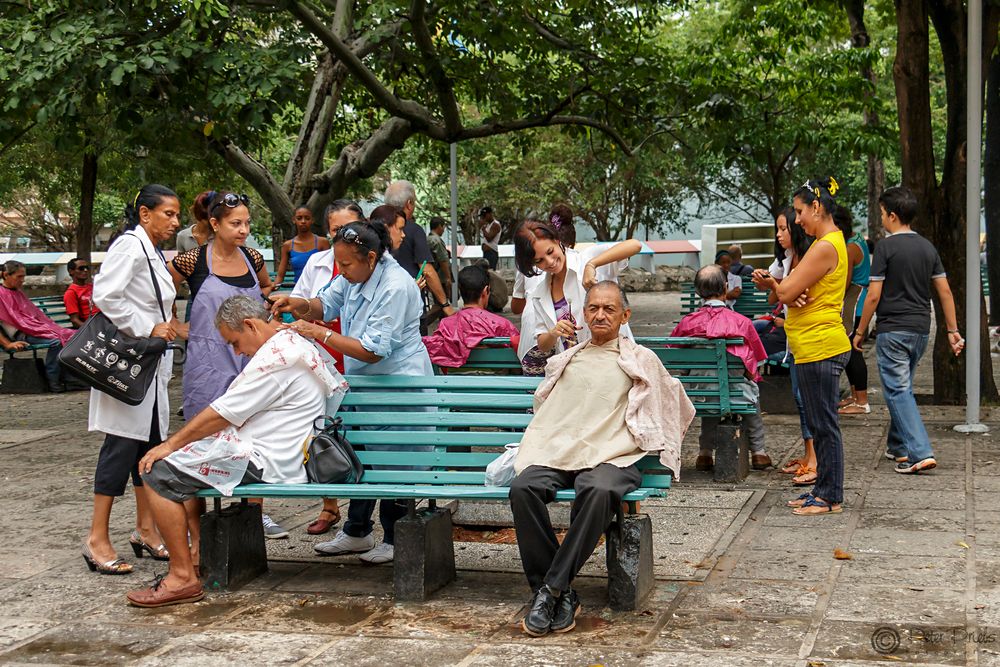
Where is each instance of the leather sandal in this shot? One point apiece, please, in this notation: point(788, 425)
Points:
point(855, 409)
point(139, 546)
point(321, 525)
point(157, 596)
point(810, 473)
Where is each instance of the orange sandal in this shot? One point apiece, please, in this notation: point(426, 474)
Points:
point(806, 472)
point(792, 467)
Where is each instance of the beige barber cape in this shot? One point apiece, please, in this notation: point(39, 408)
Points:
point(582, 422)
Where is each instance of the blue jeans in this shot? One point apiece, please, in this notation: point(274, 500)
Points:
point(897, 354)
point(803, 425)
point(819, 382)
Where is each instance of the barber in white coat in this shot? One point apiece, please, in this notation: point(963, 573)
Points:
point(124, 292)
point(556, 302)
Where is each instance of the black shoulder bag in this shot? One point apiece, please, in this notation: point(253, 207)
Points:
point(111, 361)
point(330, 458)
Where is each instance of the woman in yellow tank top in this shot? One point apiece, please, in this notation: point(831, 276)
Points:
point(814, 293)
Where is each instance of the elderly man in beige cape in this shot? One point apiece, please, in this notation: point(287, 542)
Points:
point(603, 405)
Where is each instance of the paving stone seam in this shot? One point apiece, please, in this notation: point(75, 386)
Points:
point(971, 617)
point(739, 543)
point(825, 594)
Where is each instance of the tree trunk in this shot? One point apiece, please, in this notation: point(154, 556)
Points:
point(314, 133)
point(991, 178)
point(942, 207)
point(85, 220)
point(875, 169)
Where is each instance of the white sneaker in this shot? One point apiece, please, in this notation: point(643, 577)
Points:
point(272, 530)
point(383, 553)
point(343, 543)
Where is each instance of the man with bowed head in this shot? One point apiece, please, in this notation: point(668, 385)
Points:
point(604, 404)
point(253, 433)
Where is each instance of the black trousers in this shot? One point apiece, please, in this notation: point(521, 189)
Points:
point(599, 493)
point(359, 518)
point(120, 458)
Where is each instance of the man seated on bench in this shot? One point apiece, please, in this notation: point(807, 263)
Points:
point(714, 320)
point(253, 433)
point(22, 323)
point(603, 405)
point(457, 334)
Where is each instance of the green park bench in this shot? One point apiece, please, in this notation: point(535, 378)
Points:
point(751, 302)
point(467, 420)
point(711, 376)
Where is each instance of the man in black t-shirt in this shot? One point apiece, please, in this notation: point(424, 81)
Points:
point(904, 268)
point(413, 252)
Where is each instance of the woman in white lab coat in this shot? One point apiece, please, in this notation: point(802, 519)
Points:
point(124, 292)
point(556, 302)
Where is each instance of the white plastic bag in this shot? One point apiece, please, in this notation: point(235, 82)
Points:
point(219, 460)
point(500, 472)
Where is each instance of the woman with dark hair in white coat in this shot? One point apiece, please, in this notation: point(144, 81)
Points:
point(124, 291)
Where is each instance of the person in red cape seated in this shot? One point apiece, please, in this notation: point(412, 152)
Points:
point(255, 432)
point(604, 404)
point(457, 334)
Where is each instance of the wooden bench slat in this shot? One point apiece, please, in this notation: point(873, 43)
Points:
point(372, 492)
point(437, 438)
point(465, 419)
point(414, 398)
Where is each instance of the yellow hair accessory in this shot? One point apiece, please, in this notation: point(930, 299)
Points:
point(834, 186)
point(816, 192)
point(136, 200)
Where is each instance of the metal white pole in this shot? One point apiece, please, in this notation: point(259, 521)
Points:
point(454, 224)
point(973, 208)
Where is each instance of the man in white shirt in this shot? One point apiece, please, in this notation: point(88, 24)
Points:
point(255, 432)
point(490, 228)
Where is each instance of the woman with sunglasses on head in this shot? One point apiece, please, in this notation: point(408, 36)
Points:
point(556, 302)
point(379, 307)
point(296, 251)
point(814, 294)
point(135, 292)
point(221, 268)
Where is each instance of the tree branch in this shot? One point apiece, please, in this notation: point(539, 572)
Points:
point(502, 127)
point(416, 113)
point(442, 84)
point(258, 176)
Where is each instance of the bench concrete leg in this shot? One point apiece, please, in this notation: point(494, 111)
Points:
point(424, 558)
point(23, 376)
point(630, 562)
point(232, 546)
point(732, 451)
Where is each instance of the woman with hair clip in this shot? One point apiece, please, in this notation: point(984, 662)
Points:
point(814, 294)
point(307, 243)
point(790, 247)
point(320, 271)
point(200, 232)
point(135, 292)
point(556, 301)
point(560, 217)
point(379, 307)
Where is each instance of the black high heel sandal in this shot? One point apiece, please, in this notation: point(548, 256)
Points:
point(139, 546)
point(117, 566)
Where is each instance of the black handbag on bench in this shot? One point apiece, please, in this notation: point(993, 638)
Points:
point(330, 458)
point(111, 361)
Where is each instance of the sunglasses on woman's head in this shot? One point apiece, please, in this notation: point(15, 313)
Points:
point(231, 200)
point(350, 235)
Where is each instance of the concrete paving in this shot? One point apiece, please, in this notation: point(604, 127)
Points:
point(740, 580)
